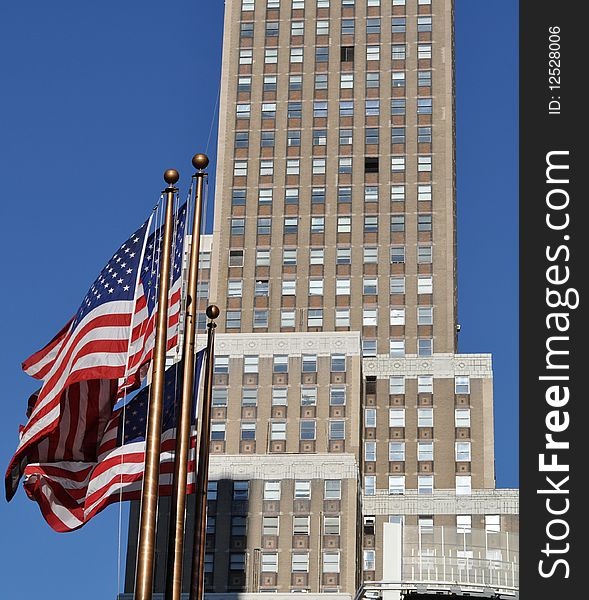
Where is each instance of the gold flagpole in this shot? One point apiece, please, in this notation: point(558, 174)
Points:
point(149, 496)
point(178, 502)
point(200, 517)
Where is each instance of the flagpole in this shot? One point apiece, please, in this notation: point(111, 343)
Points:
point(149, 495)
point(178, 502)
point(200, 517)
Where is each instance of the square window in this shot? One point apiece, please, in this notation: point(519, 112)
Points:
point(279, 396)
point(369, 485)
point(425, 484)
point(425, 384)
point(307, 429)
point(396, 417)
point(396, 484)
point(462, 452)
point(332, 489)
point(396, 384)
point(461, 416)
point(337, 430)
point(425, 417)
point(396, 451)
point(463, 485)
point(302, 489)
point(271, 490)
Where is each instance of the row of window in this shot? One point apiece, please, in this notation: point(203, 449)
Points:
point(371, 137)
point(308, 396)
point(336, 430)
point(332, 490)
point(249, 5)
point(425, 451)
point(425, 418)
point(318, 195)
point(343, 256)
point(425, 484)
point(243, 110)
point(425, 384)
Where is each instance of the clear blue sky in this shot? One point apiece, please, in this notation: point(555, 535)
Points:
point(97, 100)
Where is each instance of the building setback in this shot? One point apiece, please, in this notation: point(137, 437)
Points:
point(341, 404)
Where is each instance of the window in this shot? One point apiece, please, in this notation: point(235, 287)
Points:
point(463, 523)
point(425, 484)
point(309, 395)
point(369, 560)
point(289, 256)
point(396, 484)
point(424, 78)
point(342, 317)
point(371, 224)
point(293, 138)
point(398, 79)
point(291, 225)
point(264, 224)
point(370, 285)
point(298, 4)
point(307, 430)
point(295, 83)
point(272, 28)
point(425, 384)
point(250, 364)
point(424, 254)
point(269, 525)
point(463, 485)
point(245, 57)
point(348, 26)
point(294, 110)
point(249, 396)
point(461, 416)
point(398, 24)
point(462, 384)
point(331, 525)
point(337, 395)
point(373, 79)
point(398, 223)
point(338, 363)
point(397, 347)
point(424, 52)
point(370, 451)
point(291, 196)
point(425, 284)
point(424, 164)
point(319, 137)
point(300, 525)
point(372, 25)
point(219, 396)
point(297, 28)
point(233, 319)
point(287, 318)
point(320, 108)
point(337, 430)
point(372, 108)
point(425, 347)
point(240, 168)
point(237, 559)
point(397, 164)
point(424, 107)
point(248, 431)
point(372, 53)
point(269, 110)
point(318, 166)
point(315, 317)
point(246, 30)
point(331, 562)
point(425, 417)
point(238, 525)
point(368, 347)
point(302, 489)
point(397, 316)
point(398, 106)
point(343, 256)
point(369, 485)
point(398, 137)
point(332, 489)
point(345, 139)
point(309, 363)
point(234, 288)
point(344, 165)
point(346, 81)
point(370, 255)
point(271, 56)
point(396, 384)
point(279, 396)
point(397, 284)
point(271, 490)
point(267, 140)
point(397, 451)
point(493, 523)
point(397, 254)
point(270, 83)
point(212, 490)
point(346, 108)
point(370, 417)
point(425, 451)
point(269, 562)
point(396, 417)
point(296, 55)
point(241, 490)
point(289, 287)
point(424, 24)
point(424, 192)
point(426, 525)
point(322, 54)
point(425, 315)
point(221, 364)
point(237, 226)
point(463, 452)
point(344, 224)
point(398, 52)
point(316, 256)
point(280, 363)
point(261, 288)
point(315, 287)
point(322, 27)
point(264, 196)
point(241, 139)
point(321, 81)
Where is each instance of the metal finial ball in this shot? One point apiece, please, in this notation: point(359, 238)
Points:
point(200, 161)
point(171, 176)
point(212, 311)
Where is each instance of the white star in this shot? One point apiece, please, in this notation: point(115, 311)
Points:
point(119, 281)
point(110, 291)
point(126, 288)
point(132, 254)
point(136, 239)
point(130, 270)
point(127, 250)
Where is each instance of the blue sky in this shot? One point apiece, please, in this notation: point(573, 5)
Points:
point(98, 99)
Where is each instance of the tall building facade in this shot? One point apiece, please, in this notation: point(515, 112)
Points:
point(350, 442)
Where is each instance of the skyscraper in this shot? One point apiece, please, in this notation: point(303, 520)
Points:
point(345, 422)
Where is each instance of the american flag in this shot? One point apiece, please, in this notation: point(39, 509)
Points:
point(99, 354)
point(72, 491)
